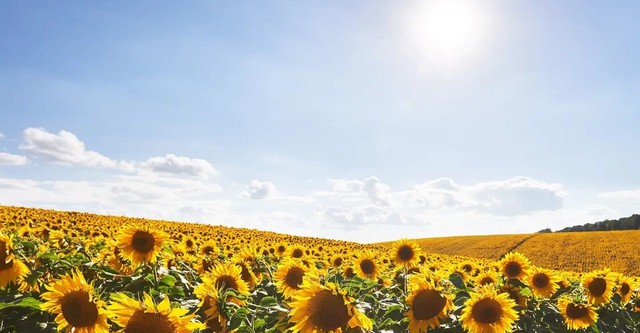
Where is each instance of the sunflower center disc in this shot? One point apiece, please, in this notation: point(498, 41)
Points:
point(540, 280)
point(142, 322)
point(513, 269)
point(597, 287)
point(328, 311)
point(207, 250)
point(427, 304)
point(225, 282)
point(78, 311)
point(576, 311)
point(143, 241)
point(3, 257)
point(625, 289)
point(337, 262)
point(297, 253)
point(486, 280)
point(294, 277)
point(487, 311)
point(405, 253)
point(367, 266)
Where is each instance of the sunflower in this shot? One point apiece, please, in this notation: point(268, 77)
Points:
point(366, 265)
point(209, 248)
point(625, 289)
point(598, 286)
point(71, 298)
point(486, 277)
point(297, 252)
point(146, 316)
point(427, 305)
point(12, 270)
point(323, 309)
point(289, 277)
point(514, 265)
point(210, 303)
point(514, 294)
point(226, 276)
point(488, 312)
point(407, 252)
point(542, 282)
point(336, 261)
point(577, 315)
point(141, 244)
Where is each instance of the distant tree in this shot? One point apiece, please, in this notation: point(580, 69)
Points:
point(626, 223)
point(543, 231)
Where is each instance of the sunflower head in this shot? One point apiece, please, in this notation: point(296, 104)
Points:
point(226, 276)
point(542, 282)
point(514, 265)
point(625, 289)
point(141, 244)
point(146, 316)
point(290, 276)
point(488, 311)
point(427, 305)
point(366, 265)
point(598, 286)
point(71, 299)
point(12, 270)
point(323, 309)
point(406, 252)
point(576, 315)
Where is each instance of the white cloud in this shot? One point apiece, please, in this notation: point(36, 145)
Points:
point(260, 190)
point(62, 148)
point(2, 136)
point(376, 191)
point(179, 165)
point(628, 195)
point(12, 159)
point(515, 196)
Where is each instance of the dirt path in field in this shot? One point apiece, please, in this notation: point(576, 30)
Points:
point(517, 245)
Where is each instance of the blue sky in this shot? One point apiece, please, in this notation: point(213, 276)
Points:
point(330, 118)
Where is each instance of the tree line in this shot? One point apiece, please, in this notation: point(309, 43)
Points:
point(626, 223)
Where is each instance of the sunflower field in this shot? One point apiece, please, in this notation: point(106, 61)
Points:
point(85, 273)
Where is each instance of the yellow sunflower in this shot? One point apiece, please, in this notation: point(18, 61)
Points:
point(427, 305)
point(289, 277)
point(542, 282)
point(297, 252)
point(210, 302)
point(488, 312)
point(226, 276)
point(71, 298)
point(146, 316)
point(323, 309)
point(406, 252)
point(12, 270)
point(209, 248)
point(625, 289)
point(486, 277)
point(514, 265)
point(365, 264)
point(598, 286)
point(141, 244)
point(577, 315)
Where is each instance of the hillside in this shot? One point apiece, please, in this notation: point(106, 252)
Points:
point(571, 251)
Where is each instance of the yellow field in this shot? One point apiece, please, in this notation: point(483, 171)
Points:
point(570, 251)
point(79, 272)
point(488, 247)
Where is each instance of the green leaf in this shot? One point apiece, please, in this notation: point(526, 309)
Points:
point(268, 301)
point(168, 281)
point(28, 302)
point(457, 281)
point(237, 318)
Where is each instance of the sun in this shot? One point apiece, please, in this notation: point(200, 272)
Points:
point(449, 30)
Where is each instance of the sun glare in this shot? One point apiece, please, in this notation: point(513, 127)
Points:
point(449, 30)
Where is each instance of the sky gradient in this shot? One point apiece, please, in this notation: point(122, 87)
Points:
point(324, 118)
